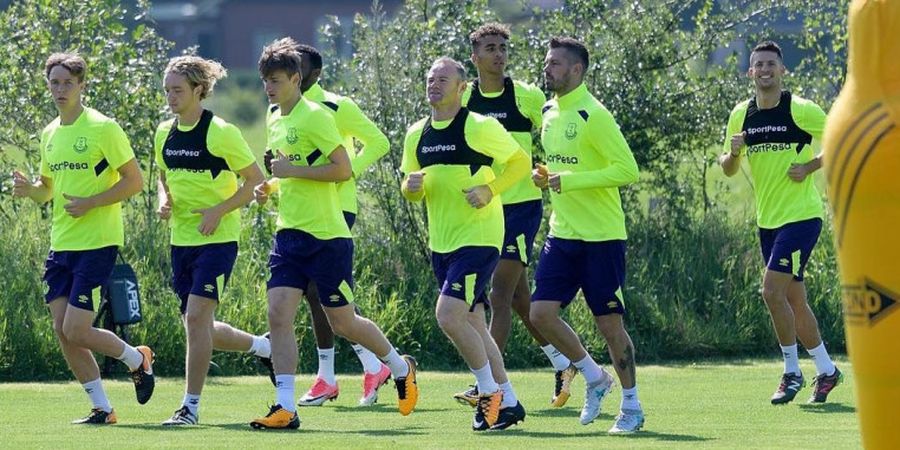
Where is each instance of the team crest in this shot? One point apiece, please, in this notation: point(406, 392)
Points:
point(80, 145)
point(571, 132)
point(292, 137)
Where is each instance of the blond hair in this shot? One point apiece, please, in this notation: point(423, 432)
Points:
point(198, 72)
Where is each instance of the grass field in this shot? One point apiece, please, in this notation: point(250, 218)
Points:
point(708, 405)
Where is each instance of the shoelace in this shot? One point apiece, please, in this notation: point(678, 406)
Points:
point(137, 376)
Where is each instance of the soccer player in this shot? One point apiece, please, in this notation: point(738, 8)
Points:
point(87, 169)
point(313, 242)
point(352, 124)
point(447, 160)
point(517, 106)
point(861, 143)
point(775, 130)
point(587, 161)
point(200, 157)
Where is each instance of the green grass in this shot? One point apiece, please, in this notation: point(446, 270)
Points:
point(708, 405)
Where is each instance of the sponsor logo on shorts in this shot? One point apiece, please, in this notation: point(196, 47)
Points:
point(868, 302)
point(511, 249)
point(612, 305)
point(209, 288)
point(456, 286)
point(80, 145)
point(334, 298)
point(783, 262)
point(83, 298)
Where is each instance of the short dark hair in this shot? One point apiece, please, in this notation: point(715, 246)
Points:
point(70, 61)
point(768, 46)
point(281, 54)
point(460, 69)
point(488, 29)
point(574, 47)
point(315, 58)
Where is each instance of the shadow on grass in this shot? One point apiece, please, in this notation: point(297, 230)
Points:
point(827, 408)
point(564, 412)
point(406, 431)
point(391, 409)
point(639, 435)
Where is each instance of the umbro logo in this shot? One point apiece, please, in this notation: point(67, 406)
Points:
point(456, 286)
point(511, 248)
point(209, 288)
point(612, 305)
point(783, 262)
point(83, 298)
point(334, 298)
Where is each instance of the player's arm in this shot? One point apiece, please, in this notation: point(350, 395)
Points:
point(734, 144)
point(163, 197)
point(374, 143)
point(212, 216)
point(336, 170)
point(40, 191)
point(412, 187)
point(130, 183)
point(488, 137)
point(604, 136)
point(811, 119)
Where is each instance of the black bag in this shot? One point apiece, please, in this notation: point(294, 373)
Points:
point(123, 295)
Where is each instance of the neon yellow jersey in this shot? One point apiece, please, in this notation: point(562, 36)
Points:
point(204, 159)
point(352, 123)
point(83, 160)
point(524, 108)
point(307, 135)
point(465, 151)
point(584, 145)
point(777, 138)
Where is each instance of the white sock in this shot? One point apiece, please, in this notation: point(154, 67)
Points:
point(261, 347)
point(791, 361)
point(370, 362)
point(284, 392)
point(557, 359)
point(192, 402)
point(589, 369)
point(131, 357)
point(399, 367)
point(824, 364)
point(630, 399)
point(326, 365)
point(94, 390)
point(486, 383)
point(509, 396)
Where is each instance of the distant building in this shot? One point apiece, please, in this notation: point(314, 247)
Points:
point(235, 31)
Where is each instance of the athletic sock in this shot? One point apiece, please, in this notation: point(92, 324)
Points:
point(630, 399)
point(131, 357)
point(326, 365)
point(370, 362)
point(261, 347)
point(486, 383)
point(509, 396)
point(399, 367)
point(284, 392)
point(824, 364)
point(557, 359)
point(791, 361)
point(191, 402)
point(94, 390)
point(589, 369)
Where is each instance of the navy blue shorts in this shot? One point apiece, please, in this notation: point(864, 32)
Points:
point(298, 258)
point(78, 275)
point(522, 221)
point(350, 218)
point(202, 270)
point(465, 273)
point(786, 249)
point(597, 268)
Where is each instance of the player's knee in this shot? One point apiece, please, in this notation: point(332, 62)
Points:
point(342, 326)
point(75, 333)
point(278, 319)
point(195, 320)
point(772, 294)
point(541, 317)
point(450, 323)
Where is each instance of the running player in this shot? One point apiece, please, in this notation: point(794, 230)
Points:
point(200, 156)
point(87, 169)
point(862, 141)
point(517, 106)
point(353, 124)
point(313, 242)
point(587, 161)
point(446, 161)
point(775, 131)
